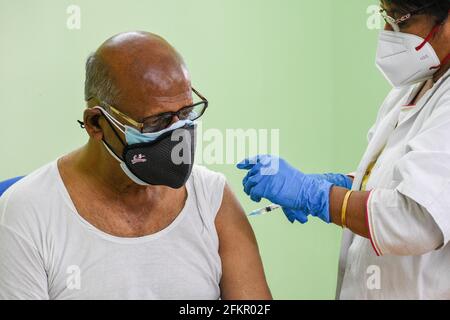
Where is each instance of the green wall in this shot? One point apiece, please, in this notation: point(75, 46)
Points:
point(305, 67)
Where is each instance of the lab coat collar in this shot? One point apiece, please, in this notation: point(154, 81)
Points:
point(425, 99)
point(376, 145)
point(385, 129)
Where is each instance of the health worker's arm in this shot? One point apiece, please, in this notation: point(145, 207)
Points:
point(356, 210)
point(395, 224)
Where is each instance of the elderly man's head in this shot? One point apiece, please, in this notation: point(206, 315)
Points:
point(140, 74)
point(137, 89)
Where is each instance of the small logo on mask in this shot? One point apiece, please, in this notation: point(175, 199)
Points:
point(139, 159)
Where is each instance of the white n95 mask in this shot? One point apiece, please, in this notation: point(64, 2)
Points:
point(406, 59)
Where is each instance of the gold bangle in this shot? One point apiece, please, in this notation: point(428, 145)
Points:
point(344, 209)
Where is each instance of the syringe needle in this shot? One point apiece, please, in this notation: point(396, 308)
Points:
point(265, 210)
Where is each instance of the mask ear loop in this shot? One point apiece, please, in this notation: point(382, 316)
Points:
point(444, 62)
point(433, 32)
point(116, 124)
point(447, 59)
point(428, 38)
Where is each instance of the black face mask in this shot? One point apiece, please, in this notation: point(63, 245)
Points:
point(167, 161)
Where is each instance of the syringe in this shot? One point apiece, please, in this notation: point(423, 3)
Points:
point(265, 210)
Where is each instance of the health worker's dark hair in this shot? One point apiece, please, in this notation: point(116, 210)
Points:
point(439, 9)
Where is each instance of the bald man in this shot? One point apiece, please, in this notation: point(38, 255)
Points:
point(88, 226)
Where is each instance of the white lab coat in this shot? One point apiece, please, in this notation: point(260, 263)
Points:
point(408, 211)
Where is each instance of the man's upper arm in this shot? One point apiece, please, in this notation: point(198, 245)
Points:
point(243, 274)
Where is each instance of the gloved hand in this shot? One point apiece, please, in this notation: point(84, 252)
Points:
point(296, 215)
point(299, 194)
point(339, 180)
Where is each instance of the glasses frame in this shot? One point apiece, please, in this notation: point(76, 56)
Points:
point(140, 125)
point(394, 23)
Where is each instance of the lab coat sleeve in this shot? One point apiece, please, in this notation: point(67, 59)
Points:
point(414, 218)
point(399, 226)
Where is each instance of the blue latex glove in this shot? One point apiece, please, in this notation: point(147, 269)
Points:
point(299, 194)
point(296, 215)
point(338, 180)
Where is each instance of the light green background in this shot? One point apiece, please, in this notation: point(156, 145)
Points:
point(305, 67)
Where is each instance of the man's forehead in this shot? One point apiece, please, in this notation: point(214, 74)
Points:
point(149, 105)
point(155, 94)
point(185, 96)
point(148, 71)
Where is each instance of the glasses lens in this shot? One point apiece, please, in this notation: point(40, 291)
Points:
point(197, 111)
point(192, 113)
point(156, 124)
point(185, 114)
point(161, 122)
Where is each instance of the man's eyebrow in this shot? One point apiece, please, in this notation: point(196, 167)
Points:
point(174, 99)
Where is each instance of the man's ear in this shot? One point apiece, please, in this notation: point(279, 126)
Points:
point(91, 119)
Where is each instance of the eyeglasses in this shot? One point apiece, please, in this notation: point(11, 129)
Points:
point(396, 23)
point(162, 121)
